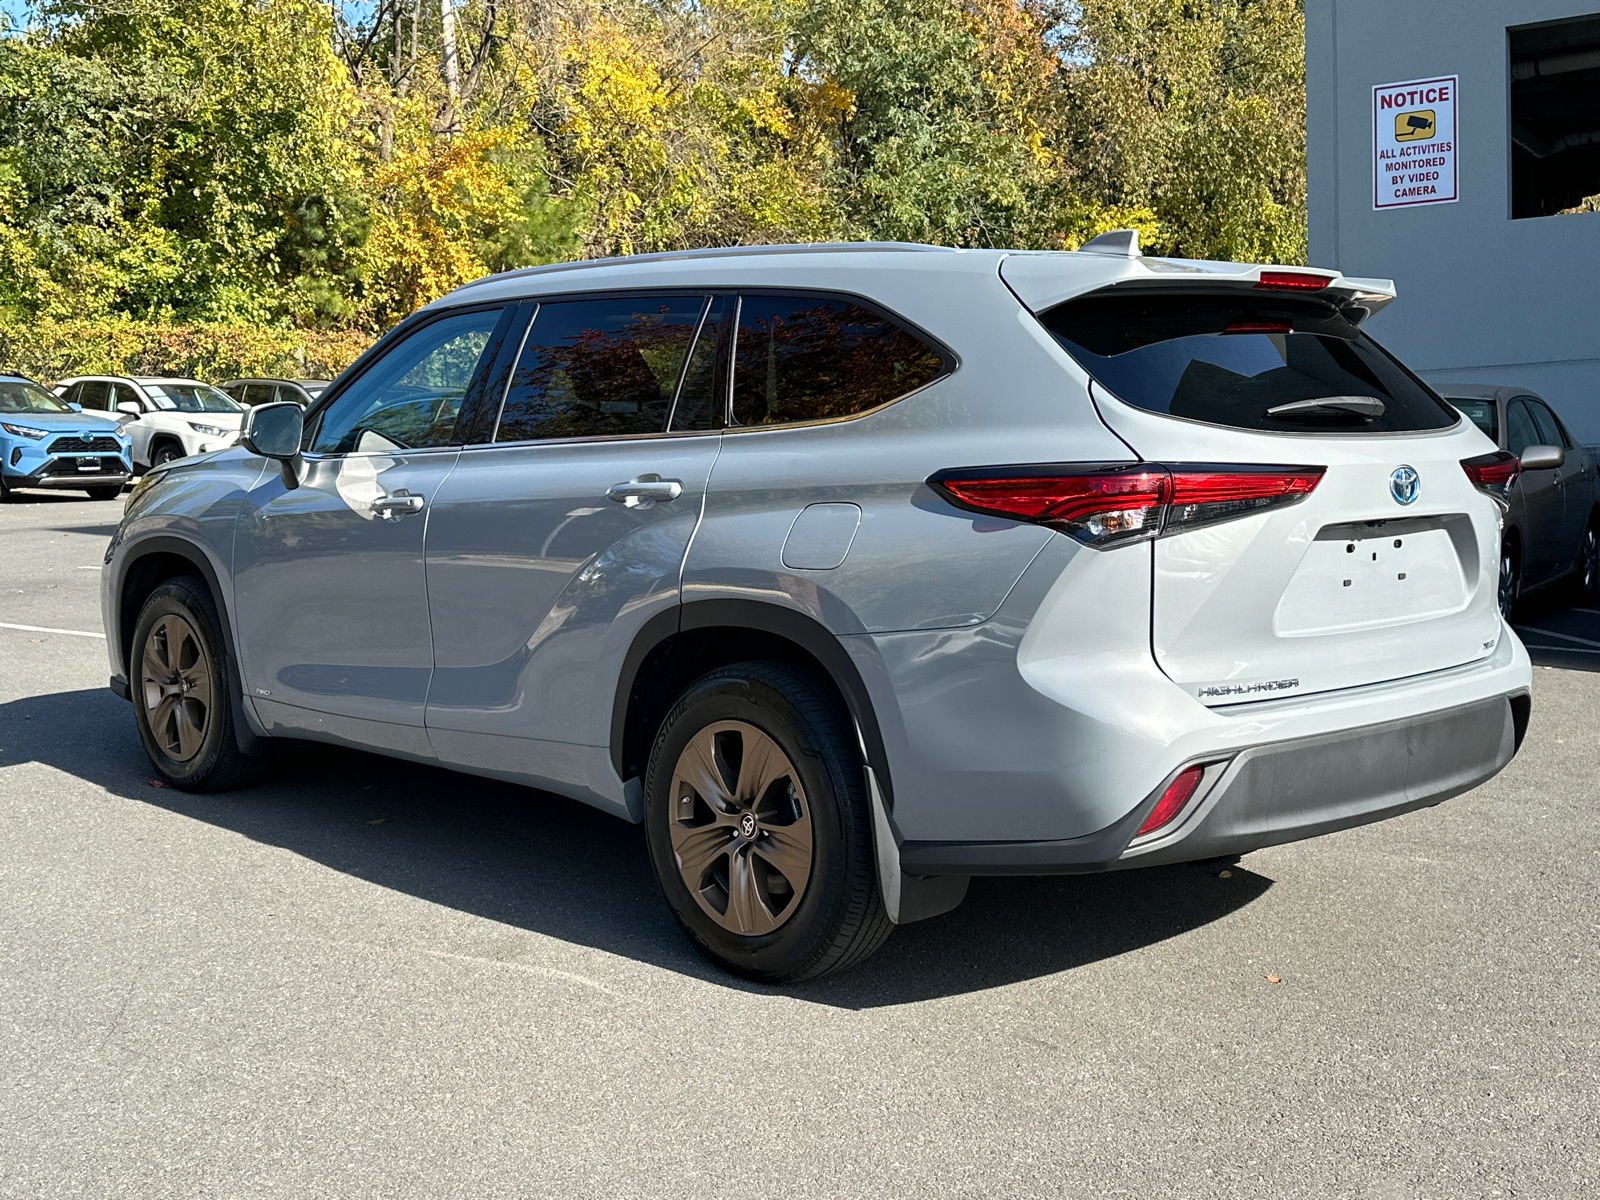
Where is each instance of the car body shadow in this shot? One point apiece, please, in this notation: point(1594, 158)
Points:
point(552, 866)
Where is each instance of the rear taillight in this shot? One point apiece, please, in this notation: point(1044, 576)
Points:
point(1172, 800)
point(1105, 505)
point(1293, 281)
point(1493, 473)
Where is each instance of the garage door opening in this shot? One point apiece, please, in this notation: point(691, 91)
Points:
point(1555, 117)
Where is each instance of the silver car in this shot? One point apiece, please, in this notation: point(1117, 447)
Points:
point(1552, 521)
point(853, 572)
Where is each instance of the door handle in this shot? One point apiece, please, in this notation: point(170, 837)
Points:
point(395, 505)
point(642, 491)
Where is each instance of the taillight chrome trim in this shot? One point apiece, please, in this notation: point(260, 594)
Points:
point(1109, 504)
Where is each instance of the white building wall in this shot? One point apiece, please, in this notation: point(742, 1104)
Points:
point(1482, 298)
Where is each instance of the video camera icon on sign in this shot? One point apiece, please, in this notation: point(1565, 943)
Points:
point(1415, 126)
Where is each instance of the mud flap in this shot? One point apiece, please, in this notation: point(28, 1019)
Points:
point(907, 898)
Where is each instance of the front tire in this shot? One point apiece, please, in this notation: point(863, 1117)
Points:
point(164, 454)
point(759, 828)
point(182, 682)
point(104, 493)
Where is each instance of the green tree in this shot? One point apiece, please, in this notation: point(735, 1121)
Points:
point(1194, 110)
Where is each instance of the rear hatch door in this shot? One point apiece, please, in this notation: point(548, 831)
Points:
point(1385, 570)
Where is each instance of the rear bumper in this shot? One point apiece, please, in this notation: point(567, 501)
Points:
point(1280, 792)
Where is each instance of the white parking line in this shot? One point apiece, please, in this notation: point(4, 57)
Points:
point(1566, 637)
point(47, 629)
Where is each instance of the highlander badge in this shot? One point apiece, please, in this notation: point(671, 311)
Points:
point(1405, 485)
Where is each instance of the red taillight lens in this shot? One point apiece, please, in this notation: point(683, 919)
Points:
point(1104, 505)
point(1293, 281)
point(1172, 800)
point(1493, 473)
point(1092, 503)
point(1201, 496)
point(1259, 327)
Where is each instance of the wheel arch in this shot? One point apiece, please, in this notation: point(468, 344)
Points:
point(676, 647)
point(159, 439)
point(155, 561)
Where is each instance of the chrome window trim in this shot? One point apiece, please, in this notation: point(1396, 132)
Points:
point(402, 451)
point(593, 439)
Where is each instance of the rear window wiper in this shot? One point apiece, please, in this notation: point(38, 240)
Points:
point(1330, 406)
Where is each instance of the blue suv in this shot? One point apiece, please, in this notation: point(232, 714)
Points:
point(46, 443)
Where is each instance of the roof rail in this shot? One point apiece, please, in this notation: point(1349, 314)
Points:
point(714, 252)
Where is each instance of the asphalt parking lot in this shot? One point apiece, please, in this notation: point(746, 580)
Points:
point(365, 978)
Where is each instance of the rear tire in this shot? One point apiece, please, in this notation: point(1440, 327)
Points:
point(1587, 579)
point(1510, 580)
point(759, 827)
point(104, 493)
point(182, 680)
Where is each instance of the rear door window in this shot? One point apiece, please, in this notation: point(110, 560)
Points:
point(1244, 361)
point(256, 393)
point(94, 394)
point(600, 368)
point(813, 358)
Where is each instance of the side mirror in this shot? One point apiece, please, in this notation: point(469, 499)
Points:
point(74, 406)
point(1543, 458)
point(131, 408)
point(274, 431)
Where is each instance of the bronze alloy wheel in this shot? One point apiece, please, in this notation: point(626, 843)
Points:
point(176, 685)
point(740, 828)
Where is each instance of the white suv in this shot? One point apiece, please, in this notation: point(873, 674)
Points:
point(853, 572)
point(170, 418)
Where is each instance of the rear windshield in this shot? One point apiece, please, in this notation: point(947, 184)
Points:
point(1232, 360)
point(1482, 414)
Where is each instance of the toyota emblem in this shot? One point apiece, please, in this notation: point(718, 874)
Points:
point(1405, 485)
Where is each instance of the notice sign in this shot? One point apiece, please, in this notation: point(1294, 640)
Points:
point(1414, 143)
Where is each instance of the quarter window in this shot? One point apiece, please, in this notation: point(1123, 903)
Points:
point(409, 398)
point(811, 358)
point(600, 368)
